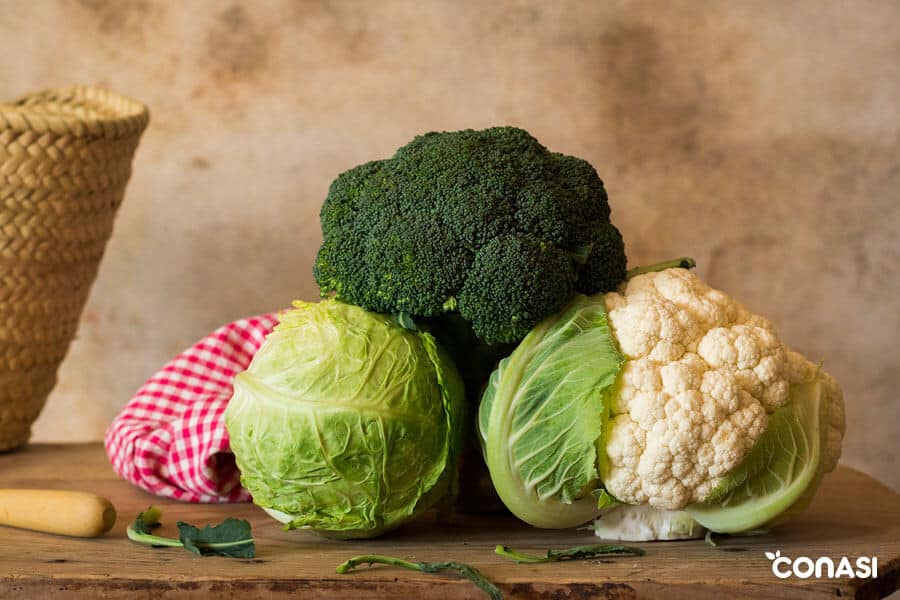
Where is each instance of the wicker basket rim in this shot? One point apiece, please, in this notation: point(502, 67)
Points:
point(22, 114)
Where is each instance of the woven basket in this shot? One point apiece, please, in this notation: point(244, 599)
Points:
point(65, 157)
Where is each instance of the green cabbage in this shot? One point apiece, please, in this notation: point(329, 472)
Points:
point(542, 414)
point(345, 422)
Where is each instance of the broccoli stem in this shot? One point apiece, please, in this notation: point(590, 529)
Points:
point(467, 571)
point(685, 262)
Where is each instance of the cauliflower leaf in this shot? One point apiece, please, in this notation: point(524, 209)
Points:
point(783, 467)
point(543, 412)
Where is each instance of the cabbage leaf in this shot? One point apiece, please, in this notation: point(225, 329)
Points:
point(542, 414)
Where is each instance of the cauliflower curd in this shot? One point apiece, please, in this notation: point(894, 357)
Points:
point(702, 376)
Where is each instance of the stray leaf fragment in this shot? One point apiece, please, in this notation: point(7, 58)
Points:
point(467, 571)
point(574, 553)
point(231, 537)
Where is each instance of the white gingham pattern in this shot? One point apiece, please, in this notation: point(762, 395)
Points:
point(170, 438)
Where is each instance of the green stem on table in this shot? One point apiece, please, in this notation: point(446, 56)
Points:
point(685, 262)
point(574, 553)
point(371, 559)
point(153, 540)
point(467, 571)
point(149, 519)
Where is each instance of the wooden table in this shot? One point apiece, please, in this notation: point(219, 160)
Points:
point(853, 515)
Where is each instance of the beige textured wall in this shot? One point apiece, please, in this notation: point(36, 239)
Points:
point(759, 137)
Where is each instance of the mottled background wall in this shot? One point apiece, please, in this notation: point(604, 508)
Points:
point(760, 137)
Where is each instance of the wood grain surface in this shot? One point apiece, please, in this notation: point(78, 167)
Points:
point(853, 515)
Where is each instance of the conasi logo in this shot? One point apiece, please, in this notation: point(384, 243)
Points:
point(805, 567)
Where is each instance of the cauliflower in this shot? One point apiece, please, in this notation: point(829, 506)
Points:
point(702, 377)
point(666, 408)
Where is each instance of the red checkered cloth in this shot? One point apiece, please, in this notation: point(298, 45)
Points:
point(170, 439)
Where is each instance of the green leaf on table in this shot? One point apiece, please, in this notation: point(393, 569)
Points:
point(232, 537)
point(229, 538)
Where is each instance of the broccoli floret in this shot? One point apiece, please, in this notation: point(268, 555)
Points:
point(515, 279)
point(487, 224)
point(601, 271)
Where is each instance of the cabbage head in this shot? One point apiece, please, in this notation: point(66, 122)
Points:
point(345, 422)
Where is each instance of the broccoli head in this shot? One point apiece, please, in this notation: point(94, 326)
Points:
point(487, 224)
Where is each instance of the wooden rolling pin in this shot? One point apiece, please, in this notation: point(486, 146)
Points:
point(63, 512)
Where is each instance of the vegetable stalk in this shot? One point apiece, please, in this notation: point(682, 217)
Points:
point(685, 262)
point(467, 571)
point(574, 553)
